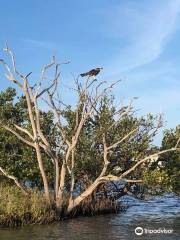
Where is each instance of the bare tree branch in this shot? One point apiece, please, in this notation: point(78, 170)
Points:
point(15, 180)
point(8, 50)
point(10, 76)
point(18, 136)
point(122, 140)
point(178, 141)
point(37, 119)
point(24, 130)
point(117, 178)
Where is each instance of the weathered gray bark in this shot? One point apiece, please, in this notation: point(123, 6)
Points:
point(43, 174)
point(60, 195)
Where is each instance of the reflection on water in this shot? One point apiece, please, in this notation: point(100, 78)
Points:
point(161, 212)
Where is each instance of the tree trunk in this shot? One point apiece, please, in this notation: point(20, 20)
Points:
point(75, 202)
point(60, 196)
point(56, 178)
point(43, 174)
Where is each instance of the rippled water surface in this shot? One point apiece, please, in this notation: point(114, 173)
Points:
point(161, 212)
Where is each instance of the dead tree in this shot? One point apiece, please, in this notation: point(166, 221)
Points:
point(89, 96)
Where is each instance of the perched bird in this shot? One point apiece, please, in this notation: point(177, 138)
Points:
point(92, 72)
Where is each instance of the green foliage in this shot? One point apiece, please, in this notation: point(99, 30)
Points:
point(157, 181)
point(20, 160)
point(89, 151)
point(163, 175)
point(171, 161)
point(16, 157)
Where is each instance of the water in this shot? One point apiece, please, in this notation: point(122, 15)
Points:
point(161, 212)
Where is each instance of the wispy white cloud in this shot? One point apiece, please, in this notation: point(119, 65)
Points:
point(147, 29)
point(41, 43)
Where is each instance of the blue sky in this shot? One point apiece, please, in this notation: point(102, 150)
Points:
point(136, 41)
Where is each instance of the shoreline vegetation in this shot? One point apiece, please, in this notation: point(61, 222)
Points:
point(61, 159)
point(16, 209)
